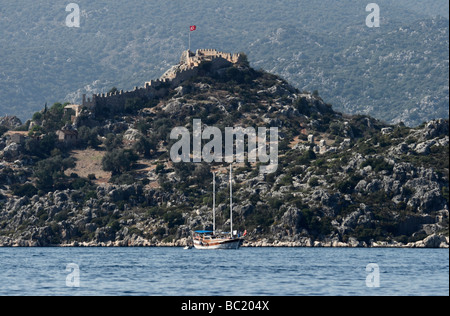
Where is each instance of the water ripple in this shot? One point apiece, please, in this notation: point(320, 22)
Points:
point(249, 271)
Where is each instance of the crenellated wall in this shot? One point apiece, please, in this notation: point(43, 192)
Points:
point(232, 58)
point(116, 101)
point(186, 69)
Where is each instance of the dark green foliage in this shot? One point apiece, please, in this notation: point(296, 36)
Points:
point(313, 182)
point(161, 128)
point(113, 141)
point(316, 224)
point(3, 130)
point(432, 160)
point(50, 173)
point(306, 157)
point(133, 105)
point(270, 178)
point(79, 183)
point(378, 164)
point(52, 119)
point(445, 194)
point(275, 203)
point(119, 160)
point(247, 89)
point(349, 184)
point(202, 174)
point(182, 170)
point(37, 117)
point(204, 68)
point(61, 216)
point(369, 233)
point(173, 218)
point(27, 189)
point(318, 30)
point(88, 137)
point(145, 146)
point(261, 217)
point(114, 225)
point(143, 126)
point(41, 147)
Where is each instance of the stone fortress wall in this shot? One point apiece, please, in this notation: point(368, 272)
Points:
point(193, 60)
point(186, 69)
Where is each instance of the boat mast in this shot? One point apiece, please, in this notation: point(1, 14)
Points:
point(214, 203)
point(231, 203)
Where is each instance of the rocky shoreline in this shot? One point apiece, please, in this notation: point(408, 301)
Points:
point(432, 241)
point(342, 180)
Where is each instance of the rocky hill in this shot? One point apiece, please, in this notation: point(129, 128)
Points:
point(359, 78)
point(397, 72)
point(342, 180)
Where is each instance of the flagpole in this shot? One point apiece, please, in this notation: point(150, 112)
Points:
point(191, 28)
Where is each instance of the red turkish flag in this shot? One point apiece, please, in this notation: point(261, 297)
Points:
point(192, 28)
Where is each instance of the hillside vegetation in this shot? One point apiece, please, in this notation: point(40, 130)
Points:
point(398, 72)
point(360, 182)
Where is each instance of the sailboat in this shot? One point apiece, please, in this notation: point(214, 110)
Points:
point(210, 239)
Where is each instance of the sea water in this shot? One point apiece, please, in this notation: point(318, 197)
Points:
point(243, 272)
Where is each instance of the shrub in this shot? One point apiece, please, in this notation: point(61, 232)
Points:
point(119, 161)
point(159, 168)
point(270, 178)
point(61, 216)
point(113, 141)
point(275, 203)
point(41, 148)
point(133, 105)
point(313, 182)
point(145, 145)
point(302, 105)
point(3, 130)
point(445, 193)
point(88, 137)
point(173, 218)
point(313, 223)
point(124, 178)
point(78, 183)
point(51, 169)
point(347, 186)
point(306, 157)
point(27, 189)
point(114, 225)
point(378, 164)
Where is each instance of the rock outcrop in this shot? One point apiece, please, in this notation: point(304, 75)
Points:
point(342, 181)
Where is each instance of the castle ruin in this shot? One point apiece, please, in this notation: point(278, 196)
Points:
point(187, 68)
point(193, 60)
